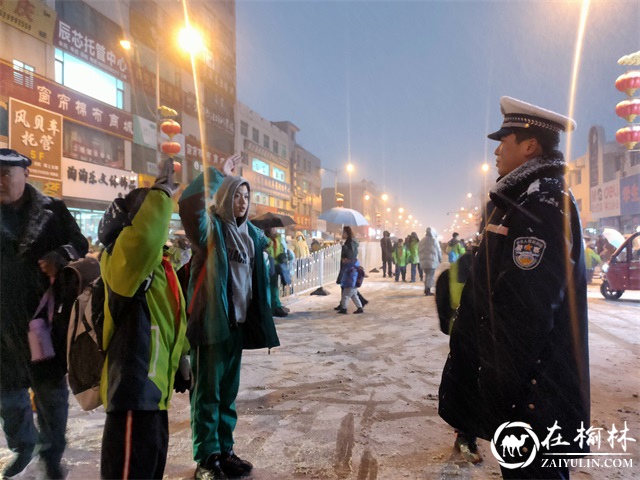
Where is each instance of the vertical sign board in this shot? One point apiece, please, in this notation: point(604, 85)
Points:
point(36, 133)
point(630, 195)
point(605, 200)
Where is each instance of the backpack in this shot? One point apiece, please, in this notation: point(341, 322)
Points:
point(360, 277)
point(85, 356)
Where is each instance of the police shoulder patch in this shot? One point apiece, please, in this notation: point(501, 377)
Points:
point(527, 252)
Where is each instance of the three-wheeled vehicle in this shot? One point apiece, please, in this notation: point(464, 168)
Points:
point(622, 271)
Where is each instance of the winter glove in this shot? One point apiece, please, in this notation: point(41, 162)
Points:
point(164, 180)
point(182, 381)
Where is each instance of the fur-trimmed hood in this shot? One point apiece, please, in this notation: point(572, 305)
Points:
point(508, 188)
point(38, 212)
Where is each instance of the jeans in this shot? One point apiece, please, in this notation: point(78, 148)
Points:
point(413, 271)
point(52, 403)
point(401, 271)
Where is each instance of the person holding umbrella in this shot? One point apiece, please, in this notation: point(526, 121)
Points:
point(348, 257)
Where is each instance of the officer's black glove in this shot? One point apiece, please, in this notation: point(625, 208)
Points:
point(182, 380)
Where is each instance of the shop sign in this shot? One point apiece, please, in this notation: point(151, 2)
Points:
point(267, 185)
point(145, 132)
point(264, 153)
point(69, 103)
point(95, 182)
point(213, 117)
point(36, 133)
point(630, 195)
point(87, 47)
point(29, 16)
point(193, 152)
point(50, 188)
point(605, 200)
point(302, 221)
point(146, 181)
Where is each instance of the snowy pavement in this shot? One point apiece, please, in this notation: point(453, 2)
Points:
point(355, 396)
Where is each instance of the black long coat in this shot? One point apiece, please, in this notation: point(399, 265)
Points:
point(41, 225)
point(518, 349)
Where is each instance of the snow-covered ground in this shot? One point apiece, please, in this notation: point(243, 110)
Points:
point(355, 396)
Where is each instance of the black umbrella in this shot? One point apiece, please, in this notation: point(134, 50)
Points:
point(270, 220)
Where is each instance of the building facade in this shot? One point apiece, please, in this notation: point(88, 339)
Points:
point(606, 184)
point(85, 108)
point(266, 165)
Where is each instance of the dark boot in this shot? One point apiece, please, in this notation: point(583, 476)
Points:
point(359, 310)
point(211, 469)
point(233, 466)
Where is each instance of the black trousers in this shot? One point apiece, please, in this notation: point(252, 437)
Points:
point(134, 445)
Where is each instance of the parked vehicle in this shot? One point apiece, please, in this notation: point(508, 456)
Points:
point(622, 271)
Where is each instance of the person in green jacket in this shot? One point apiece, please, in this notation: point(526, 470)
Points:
point(400, 257)
point(144, 331)
point(229, 309)
point(592, 260)
point(278, 255)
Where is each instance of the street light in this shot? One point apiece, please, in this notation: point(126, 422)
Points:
point(349, 171)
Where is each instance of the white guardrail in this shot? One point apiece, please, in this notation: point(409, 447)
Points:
point(322, 267)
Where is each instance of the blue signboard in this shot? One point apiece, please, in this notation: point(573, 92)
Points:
point(630, 195)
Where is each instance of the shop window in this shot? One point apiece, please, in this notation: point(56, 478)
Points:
point(89, 145)
point(260, 167)
point(260, 198)
point(144, 159)
point(279, 174)
point(23, 74)
point(87, 79)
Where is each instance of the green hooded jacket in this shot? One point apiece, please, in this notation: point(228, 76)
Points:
point(143, 336)
point(208, 298)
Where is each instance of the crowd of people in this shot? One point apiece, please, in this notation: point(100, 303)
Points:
point(516, 315)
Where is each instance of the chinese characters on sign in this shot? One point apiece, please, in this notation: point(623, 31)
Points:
point(85, 46)
point(69, 103)
point(87, 180)
point(30, 16)
point(36, 133)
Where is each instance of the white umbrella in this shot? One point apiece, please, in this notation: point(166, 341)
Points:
point(344, 216)
point(614, 237)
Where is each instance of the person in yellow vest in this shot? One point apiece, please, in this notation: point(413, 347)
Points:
point(592, 260)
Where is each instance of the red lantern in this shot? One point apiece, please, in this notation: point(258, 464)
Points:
point(171, 128)
point(171, 148)
point(628, 109)
point(628, 82)
point(628, 136)
point(177, 168)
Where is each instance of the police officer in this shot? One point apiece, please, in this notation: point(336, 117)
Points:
point(38, 236)
point(518, 348)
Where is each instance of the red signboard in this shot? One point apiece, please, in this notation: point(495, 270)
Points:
point(72, 105)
